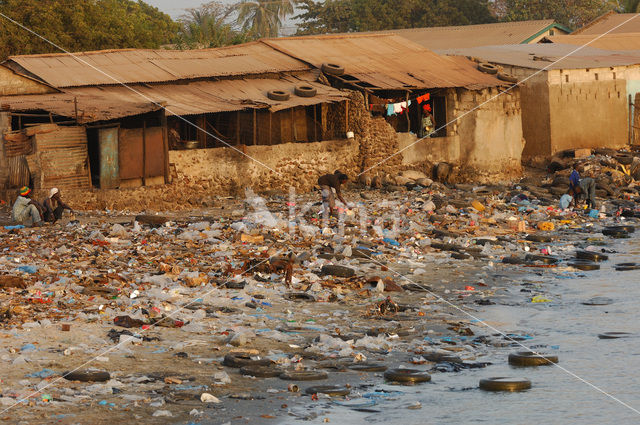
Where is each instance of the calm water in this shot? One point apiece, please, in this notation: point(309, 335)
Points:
point(570, 331)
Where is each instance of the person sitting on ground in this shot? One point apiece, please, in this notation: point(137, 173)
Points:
point(54, 206)
point(327, 183)
point(26, 211)
point(585, 189)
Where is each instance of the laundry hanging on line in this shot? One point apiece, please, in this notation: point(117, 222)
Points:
point(397, 108)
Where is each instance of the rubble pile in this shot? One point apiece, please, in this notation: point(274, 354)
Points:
point(193, 315)
point(617, 173)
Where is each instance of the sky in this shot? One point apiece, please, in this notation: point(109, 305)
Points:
point(175, 8)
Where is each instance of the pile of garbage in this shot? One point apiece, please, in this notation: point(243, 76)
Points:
point(169, 315)
point(617, 173)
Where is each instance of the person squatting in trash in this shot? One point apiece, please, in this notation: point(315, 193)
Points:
point(328, 183)
point(26, 211)
point(586, 189)
point(54, 206)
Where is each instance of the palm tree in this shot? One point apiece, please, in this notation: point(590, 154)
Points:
point(207, 26)
point(264, 17)
point(630, 6)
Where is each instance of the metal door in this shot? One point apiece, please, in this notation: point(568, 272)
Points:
point(109, 167)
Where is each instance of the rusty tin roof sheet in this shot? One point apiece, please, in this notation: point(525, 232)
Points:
point(626, 41)
point(152, 66)
point(611, 23)
point(197, 97)
point(550, 56)
point(386, 61)
point(474, 35)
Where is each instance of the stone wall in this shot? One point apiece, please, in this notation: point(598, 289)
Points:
point(274, 167)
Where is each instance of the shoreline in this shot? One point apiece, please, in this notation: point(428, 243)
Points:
point(148, 377)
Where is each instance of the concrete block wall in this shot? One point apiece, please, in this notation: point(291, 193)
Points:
point(491, 139)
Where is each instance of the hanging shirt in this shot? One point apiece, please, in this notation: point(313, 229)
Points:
point(397, 108)
point(390, 110)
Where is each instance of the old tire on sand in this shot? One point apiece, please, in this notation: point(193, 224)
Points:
point(528, 358)
point(330, 390)
point(242, 359)
point(504, 384)
point(615, 335)
point(261, 371)
point(591, 256)
point(87, 376)
point(584, 265)
point(338, 271)
point(303, 375)
point(407, 375)
point(368, 367)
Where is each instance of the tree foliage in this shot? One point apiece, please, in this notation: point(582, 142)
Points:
point(208, 26)
point(263, 18)
point(331, 16)
point(81, 25)
point(572, 13)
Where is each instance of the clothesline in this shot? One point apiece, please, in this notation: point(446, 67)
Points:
point(400, 107)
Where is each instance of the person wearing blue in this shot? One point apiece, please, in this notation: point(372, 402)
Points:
point(574, 180)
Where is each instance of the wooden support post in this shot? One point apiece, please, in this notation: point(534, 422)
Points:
point(270, 127)
point(408, 119)
point(255, 129)
point(237, 128)
point(315, 124)
point(144, 152)
point(165, 143)
point(293, 127)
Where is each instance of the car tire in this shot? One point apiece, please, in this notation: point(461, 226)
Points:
point(332, 69)
point(487, 68)
point(239, 360)
point(591, 256)
point(368, 367)
point(303, 375)
point(330, 390)
point(528, 358)
point(305, 91)
point(407, 375)
point(504, 384)
point(278, 95)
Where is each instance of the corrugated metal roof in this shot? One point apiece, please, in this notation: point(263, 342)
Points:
point(474, 35)
point(198, 97)
point(539, 56)
point(627, 41)
point(386, 61)
point(97, 107)
point(609, 21)
point(153, 66)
